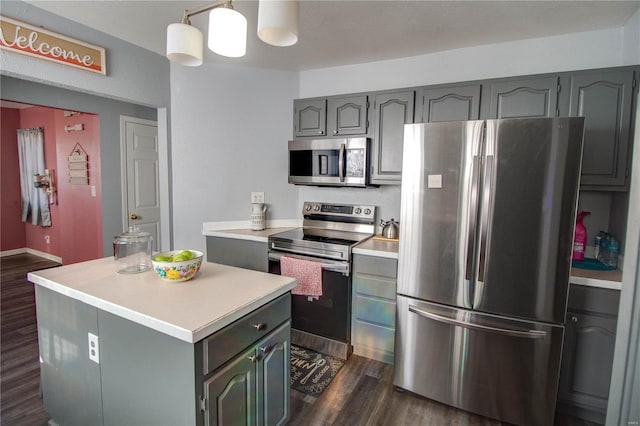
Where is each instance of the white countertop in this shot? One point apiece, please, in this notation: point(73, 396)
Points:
point(379, 248)
point(190, 311)
point(246, 234)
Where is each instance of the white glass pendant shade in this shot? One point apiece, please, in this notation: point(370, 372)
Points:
point(278, 22)
point(185, 44)
point(227, 32)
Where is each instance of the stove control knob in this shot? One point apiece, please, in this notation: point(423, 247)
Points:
point(316, 208)
point(358, 210)
point(367, 211)
point(308, 208)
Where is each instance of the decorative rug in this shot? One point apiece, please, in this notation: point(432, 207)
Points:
point(312, 371)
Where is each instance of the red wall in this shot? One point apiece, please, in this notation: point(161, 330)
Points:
point(76, 231)
point(12, 234)
point(44, 117)
point(81, 224)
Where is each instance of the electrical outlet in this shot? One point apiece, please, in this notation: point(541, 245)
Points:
point(94, 348)
point(257, 197)
point(47, 239)
point(93, 190)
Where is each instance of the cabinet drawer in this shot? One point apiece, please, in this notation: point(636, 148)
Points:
point(373, 265)
point(373, 336)
point(226, 343)
point(377, 311)
point(374, 286)
point(593, 299)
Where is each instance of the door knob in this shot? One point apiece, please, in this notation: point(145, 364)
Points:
point(133, 216)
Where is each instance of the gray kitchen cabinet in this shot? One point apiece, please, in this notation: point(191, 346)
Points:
point(452, 103)
point(587, 354)
point(309, 117)
point(253, 387)
point(347, 115)
point(604, 98)
point(391, 111)
point(231, 251)
point(523, 97)
point(374, 307)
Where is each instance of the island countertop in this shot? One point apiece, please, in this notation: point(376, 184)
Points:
point(190, 311)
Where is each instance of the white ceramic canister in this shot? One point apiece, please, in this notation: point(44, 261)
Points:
point(258, 216)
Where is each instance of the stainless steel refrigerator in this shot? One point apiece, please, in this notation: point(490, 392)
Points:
point(487, 217)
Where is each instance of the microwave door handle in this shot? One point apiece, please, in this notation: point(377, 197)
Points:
point(341, 162)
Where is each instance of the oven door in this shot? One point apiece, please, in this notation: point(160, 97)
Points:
point(330, 162)
point(330, 315)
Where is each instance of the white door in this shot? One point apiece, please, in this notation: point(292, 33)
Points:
point(141, 185)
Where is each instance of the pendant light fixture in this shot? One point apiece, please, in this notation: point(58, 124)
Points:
point(277, 25)
point(278, 22)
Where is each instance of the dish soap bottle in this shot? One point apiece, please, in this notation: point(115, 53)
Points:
point(579, 237)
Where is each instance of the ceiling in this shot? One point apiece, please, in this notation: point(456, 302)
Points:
point(334, 33)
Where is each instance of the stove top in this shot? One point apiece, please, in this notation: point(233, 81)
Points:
point(329, 230)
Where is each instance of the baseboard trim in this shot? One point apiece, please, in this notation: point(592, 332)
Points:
point(34, 252)
point(13, 252)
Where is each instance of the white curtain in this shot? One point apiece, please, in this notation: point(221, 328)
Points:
point(35, 202)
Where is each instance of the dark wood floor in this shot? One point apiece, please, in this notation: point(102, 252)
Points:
point(20, 402)
point(361, 394)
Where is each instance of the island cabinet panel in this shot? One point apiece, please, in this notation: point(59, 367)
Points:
point(605, 99)
point(309, 117)
point(374, 307)
point(453, 103)
point(245, 254)
point(527, 97)
point(347, 115)
point(391, 111)
point(252, 388)
point(66, 373)
point(587, 354)
point(147, 376)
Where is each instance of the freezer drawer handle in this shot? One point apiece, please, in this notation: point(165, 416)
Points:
point(531, 334)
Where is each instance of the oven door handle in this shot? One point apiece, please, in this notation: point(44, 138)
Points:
point(327, 265)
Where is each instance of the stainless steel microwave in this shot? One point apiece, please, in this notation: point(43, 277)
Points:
point(329, 162)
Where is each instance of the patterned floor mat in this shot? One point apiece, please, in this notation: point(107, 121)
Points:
point(311, 371)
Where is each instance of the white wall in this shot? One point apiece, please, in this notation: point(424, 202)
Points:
point(631, 41)
point(570, 52)
point(230, 126)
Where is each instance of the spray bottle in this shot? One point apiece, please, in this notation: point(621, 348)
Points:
point(580, 237)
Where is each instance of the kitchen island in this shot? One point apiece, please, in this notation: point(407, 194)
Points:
point(133, 349)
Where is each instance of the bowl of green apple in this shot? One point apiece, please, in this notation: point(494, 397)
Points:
point(177, 265)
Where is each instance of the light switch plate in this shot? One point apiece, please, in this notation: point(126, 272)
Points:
point(257, 197)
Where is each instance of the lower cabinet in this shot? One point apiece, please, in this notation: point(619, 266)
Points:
point(246, 369)
point(245, 254)
point(373, 322)
point(253, 388)
point(587, 355)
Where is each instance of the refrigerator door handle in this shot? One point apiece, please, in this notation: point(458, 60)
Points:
point(529, 334)
point(484, 221)
point(473, 204)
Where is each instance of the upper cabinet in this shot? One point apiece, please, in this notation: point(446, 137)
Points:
point(309, 117)
point(347, 115)
point(527, 97)
point(448, 104)
point(391, 111)
point(334, 116)
point(604, 98)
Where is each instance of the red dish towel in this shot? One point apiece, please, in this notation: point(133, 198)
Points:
point(307, 272)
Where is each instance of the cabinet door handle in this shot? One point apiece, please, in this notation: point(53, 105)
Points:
point(259, 327)
point(335, 132)
point(320, 132)
point(574, 319)
point(253, 358)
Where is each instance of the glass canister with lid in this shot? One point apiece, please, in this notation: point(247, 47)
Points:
point(132, 251)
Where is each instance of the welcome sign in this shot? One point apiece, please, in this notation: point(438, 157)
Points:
point(28, 40)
